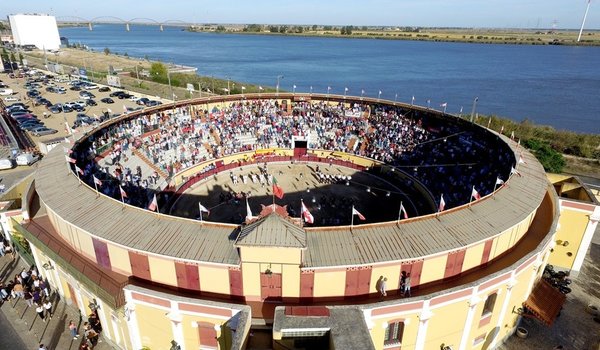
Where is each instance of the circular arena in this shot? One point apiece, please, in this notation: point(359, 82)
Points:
point(302, 214)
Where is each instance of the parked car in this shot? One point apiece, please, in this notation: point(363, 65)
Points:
point(27, 158)
point(142, 101)
point(6, 92)
point(31, 127)
point(41, 131)
point(107, 100)
point(55, 109)
point(7, 163)
point(104, 89)
point(67, 109)
point(11, 99)
point(91, 102)
point(75, 88)
point(153, 103)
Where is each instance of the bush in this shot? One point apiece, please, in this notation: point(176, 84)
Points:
point(552, 160)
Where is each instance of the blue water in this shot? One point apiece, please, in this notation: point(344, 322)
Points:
point(552, 85)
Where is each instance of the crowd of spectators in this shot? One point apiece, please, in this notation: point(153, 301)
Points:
point(445, 158)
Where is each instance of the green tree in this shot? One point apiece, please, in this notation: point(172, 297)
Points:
point(314, 27)
point(552, 161)
point(158, 71)
point(283, 29)
point(21, 58)
point(106, 51)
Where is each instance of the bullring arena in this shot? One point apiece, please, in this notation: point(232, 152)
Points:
point(456, 223)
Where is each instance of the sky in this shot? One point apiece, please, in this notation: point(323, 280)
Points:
point(561, 14)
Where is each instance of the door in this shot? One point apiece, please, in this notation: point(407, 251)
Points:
point(487, 248)
point(73, 295)
point(139, 265)
point(307, 284)
point(415, 274)
point(460, 259)
point(270, 286)
point(101, 250)
point(364, 281)
point(450, 261)
point(351, 282)
point(235, 282)
point(187, 276)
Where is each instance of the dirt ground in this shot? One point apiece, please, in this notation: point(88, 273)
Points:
point(329, 203)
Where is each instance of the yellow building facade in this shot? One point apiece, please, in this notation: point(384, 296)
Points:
point(156, 279)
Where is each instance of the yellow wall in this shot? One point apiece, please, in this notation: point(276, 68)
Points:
point(214, 279)
point(433, 269)
point(119, 259)
point(502, 243)
point(473, 257)
point(85, 246)
point(411, 327)
point(572, 228)
point(447, 324)
point(392, 273)
point(291, 281)
point(251, 276)
point(271, 255)
point(330, 283)
point(162, 270)
point(155, 327)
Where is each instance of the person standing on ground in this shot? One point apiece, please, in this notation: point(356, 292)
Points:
point(384, 287)
point(73, 329)
point(407, 285)
point(48, 307)
point(40, 311)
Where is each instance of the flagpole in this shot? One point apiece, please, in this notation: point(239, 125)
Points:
point(471, 198)
point(400, 212)
point(199, 208)
point(352, 220)
point(122, 199)
point(157, 208)
point(95, 185)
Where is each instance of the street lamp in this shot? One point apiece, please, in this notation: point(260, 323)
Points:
point(474, 106)
point(277, 86)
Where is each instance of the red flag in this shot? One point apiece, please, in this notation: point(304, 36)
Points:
point(277, 190)
point(360, 216)
point(70, 160)
point(77, 169)
point(154, 204)
point(123, 193)
point(499, 181)
point(521, 160)
point(475, 194)
point(306, 215)
point(97, 181)
point(403, 211)
point(442, 204)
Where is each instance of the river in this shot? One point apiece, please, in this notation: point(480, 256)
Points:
point(552, 85)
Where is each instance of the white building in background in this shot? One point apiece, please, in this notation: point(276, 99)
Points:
point(35, 29)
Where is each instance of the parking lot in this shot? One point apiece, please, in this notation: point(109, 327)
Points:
point(63, 100)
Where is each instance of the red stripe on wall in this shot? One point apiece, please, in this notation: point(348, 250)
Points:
point(203, 309)
point(397, 308)
point(487, 248)
point(151, 300)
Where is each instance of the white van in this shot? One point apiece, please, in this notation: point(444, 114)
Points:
point(27, 159)
point(6, 163)
point(6, 92)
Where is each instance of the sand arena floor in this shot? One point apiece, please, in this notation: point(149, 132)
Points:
point(330, 203)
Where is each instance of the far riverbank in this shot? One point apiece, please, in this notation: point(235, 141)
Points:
point(458, 35)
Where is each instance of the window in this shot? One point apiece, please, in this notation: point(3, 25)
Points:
point(488, 308)
point(394, 333)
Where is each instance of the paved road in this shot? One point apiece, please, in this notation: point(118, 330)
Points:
point(9, 338)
